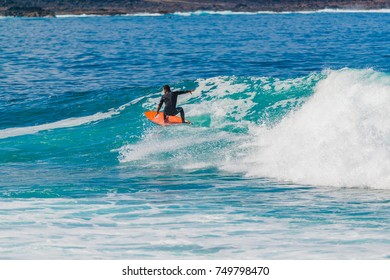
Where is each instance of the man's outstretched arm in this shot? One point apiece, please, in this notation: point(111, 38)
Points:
point(185, 91)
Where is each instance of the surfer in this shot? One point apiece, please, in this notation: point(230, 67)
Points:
point(169, 99)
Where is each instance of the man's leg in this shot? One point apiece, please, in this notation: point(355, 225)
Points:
point(181, 111)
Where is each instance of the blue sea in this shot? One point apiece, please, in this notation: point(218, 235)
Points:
point(288, 156)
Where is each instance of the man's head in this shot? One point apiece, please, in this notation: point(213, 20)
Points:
point(166, 88)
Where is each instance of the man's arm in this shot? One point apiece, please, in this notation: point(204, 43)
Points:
point(159, 105)
point(183, 92)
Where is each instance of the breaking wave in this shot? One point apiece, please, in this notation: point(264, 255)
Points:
point(330, 129)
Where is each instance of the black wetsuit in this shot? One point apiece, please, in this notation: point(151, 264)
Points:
point(170, 99)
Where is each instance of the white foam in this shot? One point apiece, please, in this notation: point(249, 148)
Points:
point(217, 98)
point(212, 223)
point(384, 11)
point(80, 16)
point(340, 136)
point(164, 147)
point(144, 15)
point(199, 13)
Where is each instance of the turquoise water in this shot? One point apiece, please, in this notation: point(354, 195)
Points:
point(288, 156)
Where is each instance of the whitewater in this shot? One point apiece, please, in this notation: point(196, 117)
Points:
point(288, 156)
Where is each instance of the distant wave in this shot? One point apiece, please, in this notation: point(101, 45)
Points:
point(198, 13)
point(144, 15)
point(66, 123)
point(383, 11)
point(124, 15)
point(80, 16)
point(70, 122)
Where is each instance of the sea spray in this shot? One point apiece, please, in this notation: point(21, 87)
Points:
point(339, 137)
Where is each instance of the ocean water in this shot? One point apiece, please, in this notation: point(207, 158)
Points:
point(288, 156)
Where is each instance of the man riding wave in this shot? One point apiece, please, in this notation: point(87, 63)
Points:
point(169, 99)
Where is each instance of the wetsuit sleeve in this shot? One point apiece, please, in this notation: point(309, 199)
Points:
point(161, 102)
point(182, 92)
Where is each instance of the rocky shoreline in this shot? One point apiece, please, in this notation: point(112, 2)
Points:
point(51, 8)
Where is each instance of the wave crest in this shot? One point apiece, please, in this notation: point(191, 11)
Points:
point(339, 137)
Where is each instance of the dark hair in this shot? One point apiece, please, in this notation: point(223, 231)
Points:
point(167, 88)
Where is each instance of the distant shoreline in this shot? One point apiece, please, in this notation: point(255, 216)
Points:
point(52, 8)
point(201, 12)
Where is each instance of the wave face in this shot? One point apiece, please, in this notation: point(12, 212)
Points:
point(330, 129)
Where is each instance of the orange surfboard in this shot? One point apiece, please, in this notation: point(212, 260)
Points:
point(159, 119)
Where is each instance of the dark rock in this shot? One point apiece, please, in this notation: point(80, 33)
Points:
point(28, 12)
point(164, 12)
point(241, 7)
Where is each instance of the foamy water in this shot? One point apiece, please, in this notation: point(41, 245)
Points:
point(339, 137)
